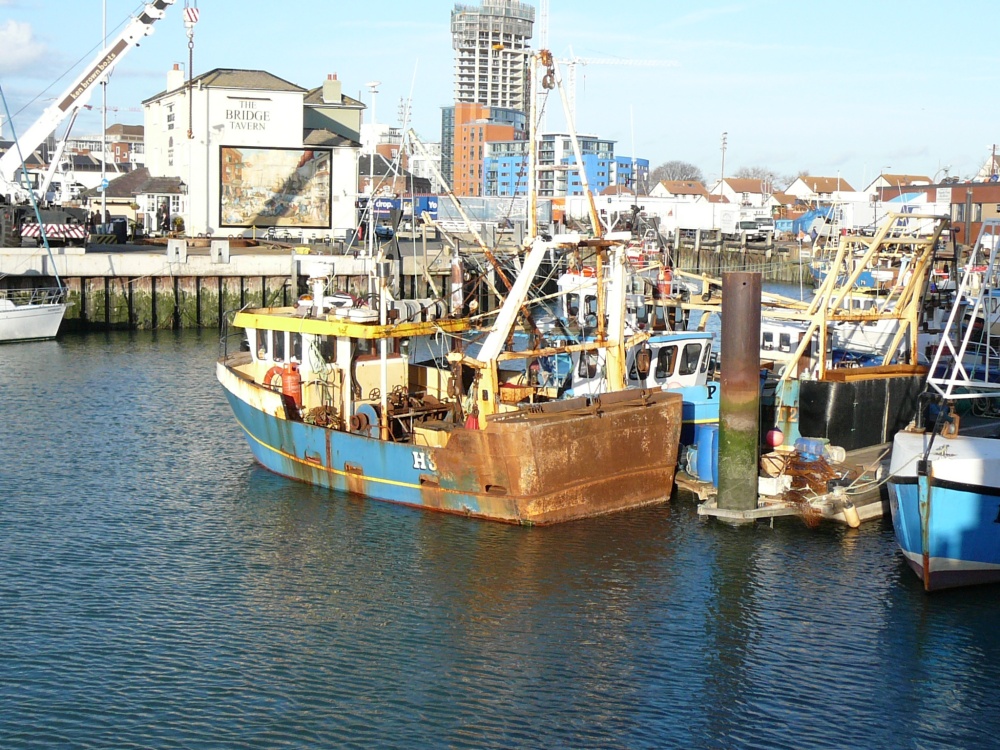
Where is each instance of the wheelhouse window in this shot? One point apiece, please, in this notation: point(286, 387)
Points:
point(690, 359)
point(326, 346)
point(588, 365)
point(665, 362)
point(572, 305)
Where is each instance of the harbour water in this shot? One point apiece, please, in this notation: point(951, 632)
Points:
point(159, 590)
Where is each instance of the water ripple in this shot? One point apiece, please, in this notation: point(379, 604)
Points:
point(157, 589)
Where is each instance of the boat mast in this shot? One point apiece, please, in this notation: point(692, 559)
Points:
point(34, 199)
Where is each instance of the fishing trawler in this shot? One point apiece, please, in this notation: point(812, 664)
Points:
point(328, 395)
point(944, 486)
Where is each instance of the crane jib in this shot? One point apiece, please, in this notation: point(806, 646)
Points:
point(98, 70)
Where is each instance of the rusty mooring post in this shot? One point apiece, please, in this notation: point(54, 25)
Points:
point(739, 405)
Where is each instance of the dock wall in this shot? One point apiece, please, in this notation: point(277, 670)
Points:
point(139, 289)
point(145, 290)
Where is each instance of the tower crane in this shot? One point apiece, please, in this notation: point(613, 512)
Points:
point(68, 104)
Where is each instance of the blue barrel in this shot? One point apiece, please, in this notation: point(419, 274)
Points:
point(708, 452)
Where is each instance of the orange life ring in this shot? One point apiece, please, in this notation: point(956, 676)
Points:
point(269, 376)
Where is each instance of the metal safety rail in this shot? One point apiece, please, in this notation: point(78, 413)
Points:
point(34, 296)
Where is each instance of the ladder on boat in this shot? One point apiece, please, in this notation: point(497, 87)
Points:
point(966, 364)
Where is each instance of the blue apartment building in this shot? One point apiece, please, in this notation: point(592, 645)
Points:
point(505, 167)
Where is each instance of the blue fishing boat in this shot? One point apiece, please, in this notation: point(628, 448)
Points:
point(944, 488)
point(661, 358)
point(329, 395)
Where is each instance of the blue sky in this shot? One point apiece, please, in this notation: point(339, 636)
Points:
point(849, 87)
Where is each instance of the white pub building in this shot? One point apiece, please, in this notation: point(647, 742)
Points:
point(250, 153)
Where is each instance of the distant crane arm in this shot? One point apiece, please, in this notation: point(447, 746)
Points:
point(79, 92)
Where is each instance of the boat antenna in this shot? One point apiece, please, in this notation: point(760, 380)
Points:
point(31, 192)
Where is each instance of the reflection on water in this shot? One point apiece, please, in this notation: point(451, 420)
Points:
point(158, 589)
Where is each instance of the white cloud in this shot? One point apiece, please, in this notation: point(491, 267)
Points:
point(18, 46)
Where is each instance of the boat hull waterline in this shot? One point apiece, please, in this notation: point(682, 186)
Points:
point(568, 460)
point(948, 529)
point(30, 322)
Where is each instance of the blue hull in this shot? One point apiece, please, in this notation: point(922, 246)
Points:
point(377, 469)
point(959, 545)
point(700, 407)
point(574, 459)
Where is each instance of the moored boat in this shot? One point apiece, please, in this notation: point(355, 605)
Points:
point(353, 413)
point(31, 314)
point(944, 488)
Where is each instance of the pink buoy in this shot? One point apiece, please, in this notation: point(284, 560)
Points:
point(775, 438)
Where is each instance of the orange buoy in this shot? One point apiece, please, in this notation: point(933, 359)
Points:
point(291, 383)
point(270, 375)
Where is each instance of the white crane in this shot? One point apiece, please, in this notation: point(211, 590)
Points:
point(74, 97)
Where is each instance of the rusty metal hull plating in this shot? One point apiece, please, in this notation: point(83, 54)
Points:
point(564, 461)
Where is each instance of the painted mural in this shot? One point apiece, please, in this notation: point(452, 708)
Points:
point(274, 187)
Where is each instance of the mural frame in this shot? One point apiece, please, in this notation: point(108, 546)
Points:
point(285, 188)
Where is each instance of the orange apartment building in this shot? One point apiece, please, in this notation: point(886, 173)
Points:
point(475, 124)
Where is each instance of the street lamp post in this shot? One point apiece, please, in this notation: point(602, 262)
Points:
point(373, 88)
point(722, 171)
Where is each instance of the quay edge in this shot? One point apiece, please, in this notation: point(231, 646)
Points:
point(144, 288)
